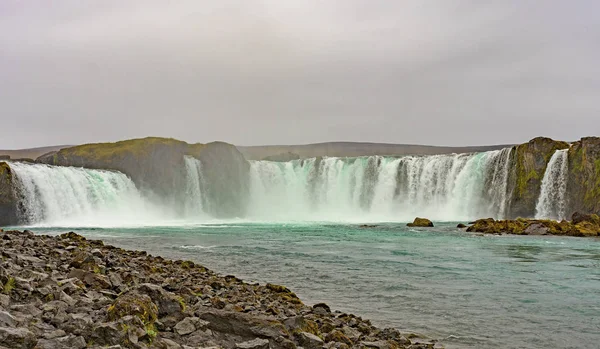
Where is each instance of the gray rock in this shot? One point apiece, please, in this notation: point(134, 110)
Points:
point(257, 343)
point(351, 333)
point(4, 300)
point(107, 334)
point(55, 334)
point(536, 229)
point(377, 344)
point(169, 344)
point(7, 320)
point(309, 340)
point(17, 338)
point(167, 302)
point(67, 342)
point(186, 326)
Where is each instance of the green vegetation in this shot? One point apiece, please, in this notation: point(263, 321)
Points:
point(527, 159)
point(108, 151)
point(136, 305)
point(6, 188)
point(9, 285)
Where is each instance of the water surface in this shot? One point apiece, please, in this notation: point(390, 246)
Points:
point(469, 291)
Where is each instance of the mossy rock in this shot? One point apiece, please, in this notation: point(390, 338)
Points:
point(529, 164)
point(139, 305)
point(8, 197)
point(338, 336)
point(583, 188)
point(421, 222)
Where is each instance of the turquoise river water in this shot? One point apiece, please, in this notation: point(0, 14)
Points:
point(466, 290)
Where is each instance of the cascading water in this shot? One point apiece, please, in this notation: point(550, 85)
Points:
point(373, 188)
point(71, 196)
point(195, 186)
point(552, 200)
point(442, 187)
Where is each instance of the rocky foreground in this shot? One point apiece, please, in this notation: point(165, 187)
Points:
point(584, 225)
point(68, 292)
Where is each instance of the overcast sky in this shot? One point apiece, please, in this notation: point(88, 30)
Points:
point(289, 72)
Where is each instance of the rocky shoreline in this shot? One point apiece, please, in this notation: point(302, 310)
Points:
point(69, 292)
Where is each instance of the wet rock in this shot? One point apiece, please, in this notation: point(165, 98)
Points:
point(536, 229)
point(420, 222)
point(461, 226)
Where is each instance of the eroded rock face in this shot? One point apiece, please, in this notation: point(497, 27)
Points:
point(527, 171)
point(583, 187)
point(227, 172)
point(158, 165)
point(48, 301)
point(8, 199)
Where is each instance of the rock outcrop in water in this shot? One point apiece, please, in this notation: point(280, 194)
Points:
point(529, 164)
point(420, 222)
point(585, 225)
point(69, 292)
point(157, 165)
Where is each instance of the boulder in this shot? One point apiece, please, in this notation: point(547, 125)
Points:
point(420, 222)
point(17, 338)
point(309, 340)
point(132, 303)
point(461, 226)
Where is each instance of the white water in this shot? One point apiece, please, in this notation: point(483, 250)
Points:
point(195, 186)
point(375, 188)
point(552, 200)
point(73, 197)
point(441, 187)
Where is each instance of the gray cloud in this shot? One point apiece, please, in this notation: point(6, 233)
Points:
point(282, 72)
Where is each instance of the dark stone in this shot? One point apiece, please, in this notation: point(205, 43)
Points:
point(421, 222)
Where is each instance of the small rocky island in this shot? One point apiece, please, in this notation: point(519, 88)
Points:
point(69, 292)
point(584, 225)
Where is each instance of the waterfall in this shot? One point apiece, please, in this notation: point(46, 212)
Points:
point(372, 188)
point(70, 196)
point(194, 201)
point(441, 187)
point(552, 200)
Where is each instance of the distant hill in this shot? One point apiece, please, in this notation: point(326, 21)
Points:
point(352, 149)
point(32, 153)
